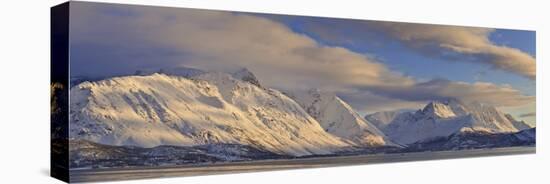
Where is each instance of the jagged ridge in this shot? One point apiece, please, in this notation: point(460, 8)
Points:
point(340, 119)
point(443, 118)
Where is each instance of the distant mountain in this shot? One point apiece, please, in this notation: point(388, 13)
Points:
point(340, 119)
point(209, 108)
point(520, 125)
point(476, 140)
point(382, 119)
point(444, 118)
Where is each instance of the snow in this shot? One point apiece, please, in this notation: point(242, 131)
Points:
point(443, 118)
point(520, 125)
point(246, 75)
point(440, 110)
point(339, 119)
point(159, 109)
point(382, 119)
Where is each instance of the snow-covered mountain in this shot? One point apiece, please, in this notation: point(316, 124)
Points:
point(210, 108)
point(382, 119)
point(188, 108)
point(443, 118)
point(476, 140)
point(520, 125)
point(246, 75)
point(340, 119)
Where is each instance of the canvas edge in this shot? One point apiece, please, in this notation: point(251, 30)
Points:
point(59, 79)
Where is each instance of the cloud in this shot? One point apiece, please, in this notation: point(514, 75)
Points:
point(455, 43)
point(217, 40)
point(531, 114)
point(120, 39)
point(447, 41)
point(441, 89)
point(366, 102)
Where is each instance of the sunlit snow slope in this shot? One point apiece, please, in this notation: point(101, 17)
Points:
point(339, 118)
point(158, 109)
point(443, 118)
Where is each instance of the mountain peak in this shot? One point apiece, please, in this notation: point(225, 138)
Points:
point(384, 118)
point(446, 108)
point(339, 118)
point(438, 110)
point(246, 75)
point(448, 102)
point(441, 118)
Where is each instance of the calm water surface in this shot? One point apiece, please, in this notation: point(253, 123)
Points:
point(265, 165)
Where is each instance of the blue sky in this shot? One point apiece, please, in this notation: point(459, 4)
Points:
point(373, 65)
point(400, 58)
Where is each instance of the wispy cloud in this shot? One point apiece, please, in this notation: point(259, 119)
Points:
point(531, 114)
point(474, 43)
point(150, 37)
point(440, 89)
point(222, 41)
point(451, 43)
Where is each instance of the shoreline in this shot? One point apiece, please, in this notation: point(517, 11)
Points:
point(104, 174)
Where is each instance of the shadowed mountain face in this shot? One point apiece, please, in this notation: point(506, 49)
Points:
point(476, 140)
point(87, 154)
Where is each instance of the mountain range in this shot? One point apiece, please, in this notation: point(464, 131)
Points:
point(187, 110)
point(444, 118)
point(159, 109)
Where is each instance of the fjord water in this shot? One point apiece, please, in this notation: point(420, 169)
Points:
point(91, 175)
